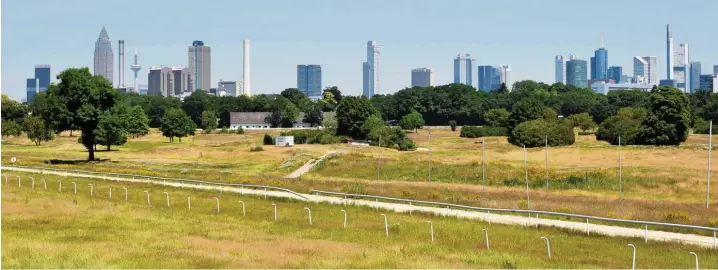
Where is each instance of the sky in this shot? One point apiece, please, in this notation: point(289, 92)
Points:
point(527, 34)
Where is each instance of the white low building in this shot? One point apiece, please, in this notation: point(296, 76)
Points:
point(604, 88)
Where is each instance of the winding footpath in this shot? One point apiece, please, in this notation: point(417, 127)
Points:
point(652, 235)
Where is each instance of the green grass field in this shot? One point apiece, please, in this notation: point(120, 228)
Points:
point(47, 229)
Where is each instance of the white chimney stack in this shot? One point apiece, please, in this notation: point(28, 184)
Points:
point(245, 80)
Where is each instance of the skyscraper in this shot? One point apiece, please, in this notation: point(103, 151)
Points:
point(371, 69)
point(560, 64)
point(121, 64)
point(42, 73)
point(104, 59)
point(181, 80)
point(230, 88)
point(159, 81)
point(599, 64)
point(505, 76)
point(681, 68)
point(577, 73)
point(669, 53)
point(309, 80)
point(31, 88)
point(715, 70)
point(646, 67)
point(615, 73)
point(422, 77)
point(463, 69)
point(200, 64)
point(489, 78)
point(695, 76)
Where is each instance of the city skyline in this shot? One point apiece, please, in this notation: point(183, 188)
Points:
point(278, 52)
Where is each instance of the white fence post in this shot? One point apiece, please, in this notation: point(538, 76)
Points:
point(74, 186)
point(275, 211)
point(386, 225)
point(92, 187)
point(431, 230)
point(486, 233)
point(32, 185)
point(548, 245)
point(645, 234)
point(125, 193)
point(189, 204)
point(59, 185)
point(6, 180)
point(695, 255)
point(217, 199)
point(633, 264)
point(44, 183)
point(588, 230)
point(243, 212)
point(309, 212)
point(168, 198)
point(110, 192)
point(345, 218)
point(148, 197)
point(19, 184)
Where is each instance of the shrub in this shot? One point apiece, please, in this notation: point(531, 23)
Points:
point(626, 125)
point(268, 139)
point(240, 130)
point(224, 130)
point(701, 126)
point(676, 216)
point(477, 132)
point(561, 209)
point(584, 121)
point(523, 204)
point(497, 117)
point(452, 124)
point(534, 133)
point(256, 148)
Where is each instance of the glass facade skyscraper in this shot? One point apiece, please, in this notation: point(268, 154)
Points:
point(31, 88)
point(200, 65)
point(489, 78)
point(560, 69)
point(370, 70)
point(422, 77)
point(463, 69)
point(645, 69)
point(695, 76)
point(104, 59)
point(615, 73)
point(309, 80)
point(42, 73)
point(599, 65)
point(576, 73)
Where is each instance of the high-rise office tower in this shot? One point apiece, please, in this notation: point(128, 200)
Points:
point(669, 53)
point(181, 80)
point(695, 76)
point(715, 70)
point(681, 68)
point(646, 67)
point(230, 88)
point(160, 81)
point(505, 76)
point(599, 64)
point(422, 77)
point(135, 69)
point(31, 87)
point(246, 86)
point(121, 63)
point(708, 82)
point(560, 63)
point(577, 73)
point(489, 78)
point(463, 69)
point(615, 73)
point(104, 59)
point(371, 69)
point(309, 80)
point(200, 64)
point(42, 73)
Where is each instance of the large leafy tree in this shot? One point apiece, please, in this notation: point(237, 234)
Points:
point(196, 103)
point(336, 94)
point(526, 110)
point(314, 116)
point(12, 110)
point(283, 113)
point(584, 121)
point(11, 128)
point(209, 121)
point(625, 125)
point(177, 124)
point(137, 122)
point(299, 99)
point(668, 120)
point(352, 112)
point(83, 98)
point(497, 117)
point(112, 127)
point(411, 121)
point(36, 130)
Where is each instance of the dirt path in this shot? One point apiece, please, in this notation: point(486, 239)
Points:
point(308, 166)
point(582, 227)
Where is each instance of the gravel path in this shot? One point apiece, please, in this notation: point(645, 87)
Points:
point(308, 166)
point(583, 227)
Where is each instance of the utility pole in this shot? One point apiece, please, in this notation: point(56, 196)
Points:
point(526, 169)
point(710, 146)
point(546, 163)
point(429, 156)
point(620, 170)
point(378, 161)
point(483, 161)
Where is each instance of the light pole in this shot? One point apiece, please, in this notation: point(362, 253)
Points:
point(633, 264)
point(546, 163)
point(526, 170)
point(429, 155)
point(483, 162)
point(548, 245)
point(710, 147)
point(378, 161)
point(620, 170)
point(696, 256)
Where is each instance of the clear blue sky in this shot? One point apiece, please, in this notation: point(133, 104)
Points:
point(415, 33)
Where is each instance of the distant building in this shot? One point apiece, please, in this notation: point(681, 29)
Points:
point(615, 73)
point(159, 81)
point(560, 64)
point(260, 120)
point(230, 88)
point(681, 67)
point(31, 89)
point(309, 80)
point(505, 76)
point(104, 59)
point(142, 89)
point(422, 77)
point(599, 64)
point(370, 69)
point(463, 69)
point(200, 66)
point(646, 67)
point(489, 78)
point(715, 70)
point(42, 73)
point(181, 80)
point(671, 83)
point(709, 82)
point(604, 88)
point(577, 73)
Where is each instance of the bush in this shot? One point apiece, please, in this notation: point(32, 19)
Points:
point(477, 132)
point(533, 133)
point(224, 130)
point(701, 126)
point(497, 117)
point(256, 148)
point(626, 125)
point(240, 130)
point(676, 216)
point(452, 124)
point(11, 128)
point(268, 139)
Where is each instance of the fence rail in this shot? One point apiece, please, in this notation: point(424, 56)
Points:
point(180, 180)
point(549, 213)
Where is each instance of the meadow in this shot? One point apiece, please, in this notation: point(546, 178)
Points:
point(51, 229)
point(659, 183)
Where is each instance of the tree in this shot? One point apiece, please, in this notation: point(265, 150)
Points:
point(372, 127)
point(196, 103)
point(111, 129)
point(83, 98)
point(625, 125)
point(36, 130)
point(526, 110)
point(584, 121)
point(177, 124)
point(668, 120)
point(497, 117)
point(12, 110)
point(137, 122)
point(330, 124)
point(534, 133)
point(284, 113)
point(352, 112)
point(209, 121)
point(335, 93)
point(299, 99)
point(413, 121)
point(268, 140)
point(578, 101)
point(328, 103)
point(501, 90)
point(11, 128)
point(314, 116)
point(452, 124)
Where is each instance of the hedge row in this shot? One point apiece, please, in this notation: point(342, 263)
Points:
point(477, 132)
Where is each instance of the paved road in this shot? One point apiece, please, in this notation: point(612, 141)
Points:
point(404, 208)
point(308, 166)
